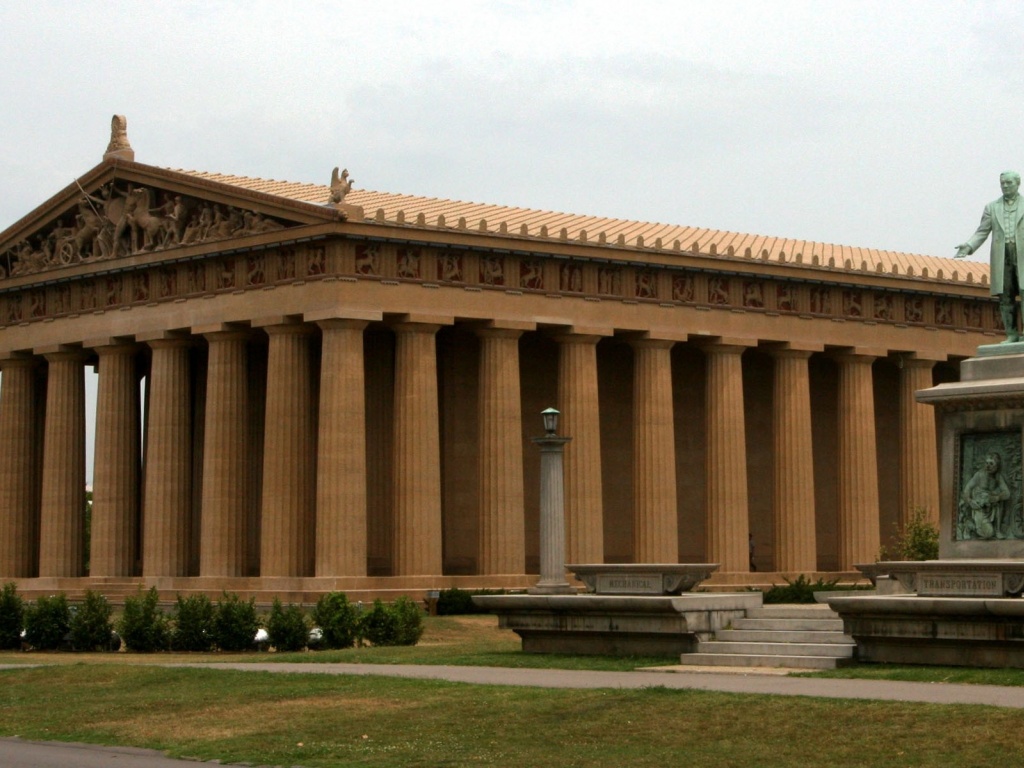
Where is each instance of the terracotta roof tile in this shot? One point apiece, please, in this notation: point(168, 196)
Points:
point(514, 217)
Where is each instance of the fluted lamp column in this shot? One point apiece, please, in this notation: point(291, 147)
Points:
point(552, 509)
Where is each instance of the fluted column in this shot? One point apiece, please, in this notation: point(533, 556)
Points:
point(793, 491)
point(502, 517)
point(289, 457)
point(167, 502)
point(62, 518)
point(225, 457)
point(581, 420)
point(655, 516)
point(727, 526)
point(858, 463)
point(115, 496)
point(417, 476)
point(341, 523)
point(919, 459)
point(19, 470)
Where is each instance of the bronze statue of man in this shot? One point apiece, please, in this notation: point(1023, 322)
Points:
point(1004, 219)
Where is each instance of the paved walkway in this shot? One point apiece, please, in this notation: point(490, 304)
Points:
point(734, 681)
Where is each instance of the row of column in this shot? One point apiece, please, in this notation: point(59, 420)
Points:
point(313, 497)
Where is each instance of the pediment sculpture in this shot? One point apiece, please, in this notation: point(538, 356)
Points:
point(119, 220)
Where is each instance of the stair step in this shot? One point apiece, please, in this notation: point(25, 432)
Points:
point(754, 660)
point(743, 635)
point(818, 625)
point(777, 649)
point(796, 611)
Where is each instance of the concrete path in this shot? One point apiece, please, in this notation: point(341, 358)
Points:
point(734, 681)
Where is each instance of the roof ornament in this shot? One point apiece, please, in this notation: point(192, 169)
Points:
point(341, 185)
point(119, 148)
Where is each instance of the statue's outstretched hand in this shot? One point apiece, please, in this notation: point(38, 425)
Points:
point(962, 250)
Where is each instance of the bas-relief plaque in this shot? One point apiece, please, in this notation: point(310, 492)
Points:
point(960, 584)
point(629, 584)
point(989, 502)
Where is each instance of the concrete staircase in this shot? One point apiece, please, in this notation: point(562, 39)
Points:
point(794, 636)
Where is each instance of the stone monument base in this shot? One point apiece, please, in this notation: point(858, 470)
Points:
point(948, 631)
point(617, 625)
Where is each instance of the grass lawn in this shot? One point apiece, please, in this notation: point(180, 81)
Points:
point(313, 720)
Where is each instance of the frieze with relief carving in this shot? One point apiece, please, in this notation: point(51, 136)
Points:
point(121, 220)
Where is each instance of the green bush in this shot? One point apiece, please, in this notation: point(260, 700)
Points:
point(918, 541)
point(91, 627)
point(456, 602)
point(287, 627)
point(47, 622)
point(337, 619)
point(235, 623)
point(408, 621)
point(799, 591)
point(400, 623)
point(143, 625)
point(193, 624)
point(12, 617)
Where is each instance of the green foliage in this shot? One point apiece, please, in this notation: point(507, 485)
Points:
point(47, 622)
point(91, 626)
point(400, 623)
point(919, 540)
point(287, 627)
point(193, 624)
point(12, 617)
point(337, 619)
point(457, 602)
point(143, 625)
point(235, 623)
point(801, 590)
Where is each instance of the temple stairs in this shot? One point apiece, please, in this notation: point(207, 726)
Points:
point(794, 636)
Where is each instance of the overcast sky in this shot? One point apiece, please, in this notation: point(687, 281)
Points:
point(882, 125)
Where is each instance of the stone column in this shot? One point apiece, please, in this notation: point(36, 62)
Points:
point(115, 497)
point(289, 458)
point(225, 500)
point(793, 492)
point(341, 523)
point(859, 538)
point(19, 470)
point(417, 475)
point(167, 499)
point(62, 518)
point(728, 528)
point(655, 514)
point(502, 516)
point(919, 460)
point(581, 420)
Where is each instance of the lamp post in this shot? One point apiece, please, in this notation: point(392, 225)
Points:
point(552, 509)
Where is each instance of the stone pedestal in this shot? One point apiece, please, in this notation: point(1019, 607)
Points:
point(963, 609)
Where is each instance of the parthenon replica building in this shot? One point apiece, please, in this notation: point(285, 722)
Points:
point(308, 387)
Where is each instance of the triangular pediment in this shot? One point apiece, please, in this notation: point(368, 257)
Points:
point(124, 209)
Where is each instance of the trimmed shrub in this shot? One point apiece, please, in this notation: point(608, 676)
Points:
point(235, 623)
point(47, 622)
point(337, 619)
point(91, 626)
point(799, 591)
point(456, 602)
point(287, 626)
point(143, 625)
point(12, 617)
point(400, 623)
point(408, 621)
point(193, 624)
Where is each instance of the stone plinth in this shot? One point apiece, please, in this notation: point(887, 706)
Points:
point(607, 625)
point(642, 578)
point(953, 578)
point(911, 629)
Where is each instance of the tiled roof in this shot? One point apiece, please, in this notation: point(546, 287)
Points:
point(551, 225)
